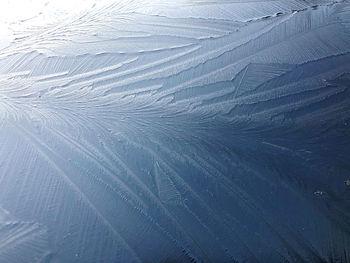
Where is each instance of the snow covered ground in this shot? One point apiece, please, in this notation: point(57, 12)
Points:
point(175, 131)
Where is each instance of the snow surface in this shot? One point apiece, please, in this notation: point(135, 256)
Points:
point(177, 131)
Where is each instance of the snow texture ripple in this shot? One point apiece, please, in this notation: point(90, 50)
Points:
point(178, 131)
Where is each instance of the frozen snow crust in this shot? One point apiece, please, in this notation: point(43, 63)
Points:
point(178, 131)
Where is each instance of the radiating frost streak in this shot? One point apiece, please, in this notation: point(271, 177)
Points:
point(182, 115)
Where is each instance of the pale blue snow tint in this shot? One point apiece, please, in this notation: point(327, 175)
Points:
point(176, 131)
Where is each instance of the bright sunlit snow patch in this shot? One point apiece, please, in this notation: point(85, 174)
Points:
point(17, 15)
point(17, 11)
